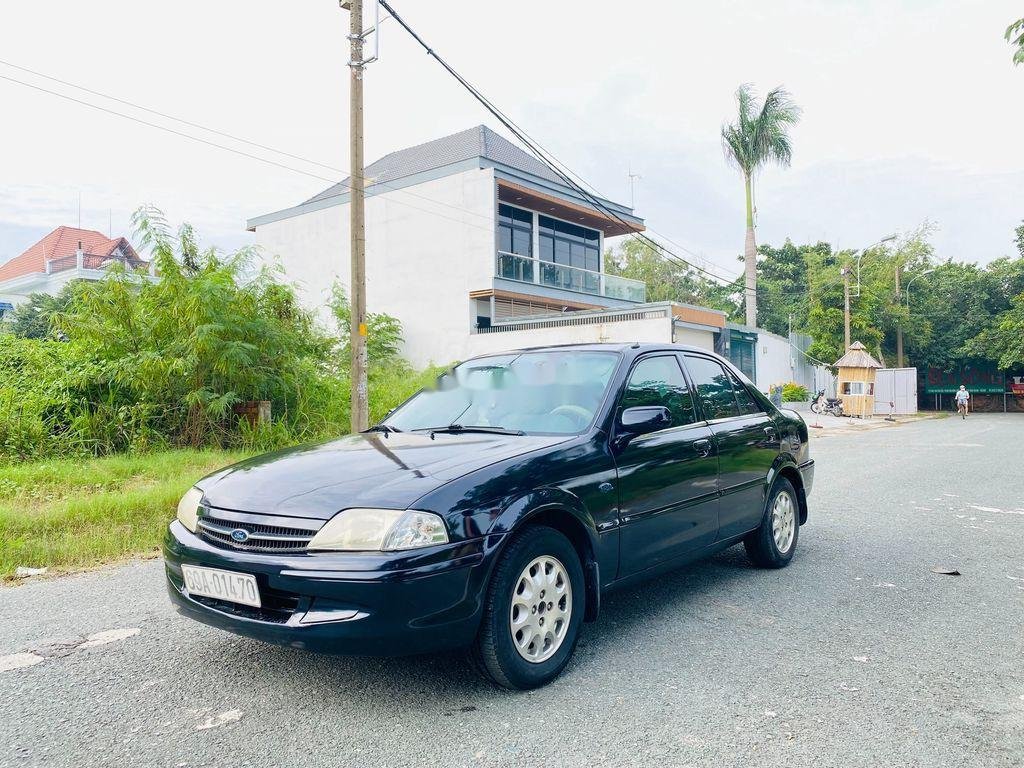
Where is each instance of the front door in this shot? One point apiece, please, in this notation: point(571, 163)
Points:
point(668, 480)
point(747, 440)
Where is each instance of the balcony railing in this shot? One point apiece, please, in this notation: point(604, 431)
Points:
point(527, 270)
point(88, 261)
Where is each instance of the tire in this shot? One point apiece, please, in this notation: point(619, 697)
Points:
point(548, 555)
point(762, 545)
point(815, 408)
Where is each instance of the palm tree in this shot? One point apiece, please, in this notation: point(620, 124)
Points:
point(1015, 37)
point(759, 135)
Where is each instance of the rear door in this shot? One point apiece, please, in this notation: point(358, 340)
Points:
point(746, 439)
point(668, 480)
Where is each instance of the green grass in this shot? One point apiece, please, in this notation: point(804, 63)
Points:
point(67, 514)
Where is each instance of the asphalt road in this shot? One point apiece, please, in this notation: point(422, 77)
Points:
point(856, 655)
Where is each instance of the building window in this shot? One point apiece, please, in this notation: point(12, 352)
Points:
point(515, 231)
point(858, 388)
point(569, 245)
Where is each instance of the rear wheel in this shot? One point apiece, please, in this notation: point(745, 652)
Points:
point(532, 611)
point(773, 543)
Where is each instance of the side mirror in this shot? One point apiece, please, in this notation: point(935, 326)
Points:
point(643, 419)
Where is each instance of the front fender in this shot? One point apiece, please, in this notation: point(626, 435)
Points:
point(567, 513)
point(542, 500)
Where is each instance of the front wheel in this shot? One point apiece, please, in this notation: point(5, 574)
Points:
point(773, 543)
point(532, 611)
point(815, 408)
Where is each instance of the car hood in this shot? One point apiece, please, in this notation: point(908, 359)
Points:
point(372, 470)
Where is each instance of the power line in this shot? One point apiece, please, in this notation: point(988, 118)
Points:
point(167, 129)
point(251, 156)
point(541, 154)
point(168, 117)
point(643, 239)
point(213, 131)
point(224, 134)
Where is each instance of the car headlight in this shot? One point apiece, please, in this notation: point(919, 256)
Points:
point(188, 508)
point(386, 530)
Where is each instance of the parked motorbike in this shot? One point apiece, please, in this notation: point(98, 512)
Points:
point(833, 406)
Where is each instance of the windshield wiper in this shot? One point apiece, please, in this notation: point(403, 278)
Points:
point(382, 427)
point(454, 429)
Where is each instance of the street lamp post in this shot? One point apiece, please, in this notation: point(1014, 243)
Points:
point(845, 272)
point(886, 239)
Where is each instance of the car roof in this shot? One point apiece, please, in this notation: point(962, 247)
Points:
point(621, 347)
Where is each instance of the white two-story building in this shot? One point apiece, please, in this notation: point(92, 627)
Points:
point(64, 255)
point(466, 236)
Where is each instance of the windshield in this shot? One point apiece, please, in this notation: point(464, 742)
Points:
point(555, 392)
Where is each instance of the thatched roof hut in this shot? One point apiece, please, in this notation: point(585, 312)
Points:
point(857, 380)
point(857, 356)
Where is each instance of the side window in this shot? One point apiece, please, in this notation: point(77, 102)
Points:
point(747, 403)
point(659, 381)
point(714, 388)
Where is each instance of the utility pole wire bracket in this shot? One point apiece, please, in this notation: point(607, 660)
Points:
point(365, 34)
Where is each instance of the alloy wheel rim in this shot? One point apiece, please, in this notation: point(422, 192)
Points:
point(783, 522)
point(541, 609)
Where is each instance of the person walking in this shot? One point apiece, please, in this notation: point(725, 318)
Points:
point(962, 398)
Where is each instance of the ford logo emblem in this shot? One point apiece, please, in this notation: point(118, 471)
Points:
point(240, 535)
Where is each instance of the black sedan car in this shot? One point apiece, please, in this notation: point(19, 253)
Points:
point(493, 511)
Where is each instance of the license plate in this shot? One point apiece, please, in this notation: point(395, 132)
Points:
point(221, 585)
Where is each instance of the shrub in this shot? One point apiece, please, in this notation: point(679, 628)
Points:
point(794, 393)
point(145, 363)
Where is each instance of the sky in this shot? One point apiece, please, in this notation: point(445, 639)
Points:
point(912, 111)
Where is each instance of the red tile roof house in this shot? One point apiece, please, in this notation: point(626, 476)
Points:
point(64, 255)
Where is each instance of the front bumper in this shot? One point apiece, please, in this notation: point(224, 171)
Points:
point(807, 475)
point(376, 604)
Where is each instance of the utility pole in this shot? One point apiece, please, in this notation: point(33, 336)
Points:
point(846, 308)
point(357, 189)
point(899, 328)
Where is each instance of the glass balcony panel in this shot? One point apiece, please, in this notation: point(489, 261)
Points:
point(623, 288)
point(513, 267)
point(521, 268)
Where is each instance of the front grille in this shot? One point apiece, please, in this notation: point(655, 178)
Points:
point(260, 538)
point(277, 606)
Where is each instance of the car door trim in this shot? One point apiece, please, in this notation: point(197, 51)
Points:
point(647, 514)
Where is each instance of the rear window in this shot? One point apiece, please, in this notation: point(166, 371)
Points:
point(746, 401)
point(714, 388)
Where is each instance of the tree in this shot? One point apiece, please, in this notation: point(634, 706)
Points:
point(782, 284)
point(1015, 37)
point(1001, 338)
point(668, 279)
point(212, 331)
point(805, 282)
point(384, 331)
point(31, 320)
point(759, 136)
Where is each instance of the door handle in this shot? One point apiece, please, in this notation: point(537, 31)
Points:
point(702, 447)
point(770, 431)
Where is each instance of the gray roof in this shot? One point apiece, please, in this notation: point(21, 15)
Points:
point(480, 141)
